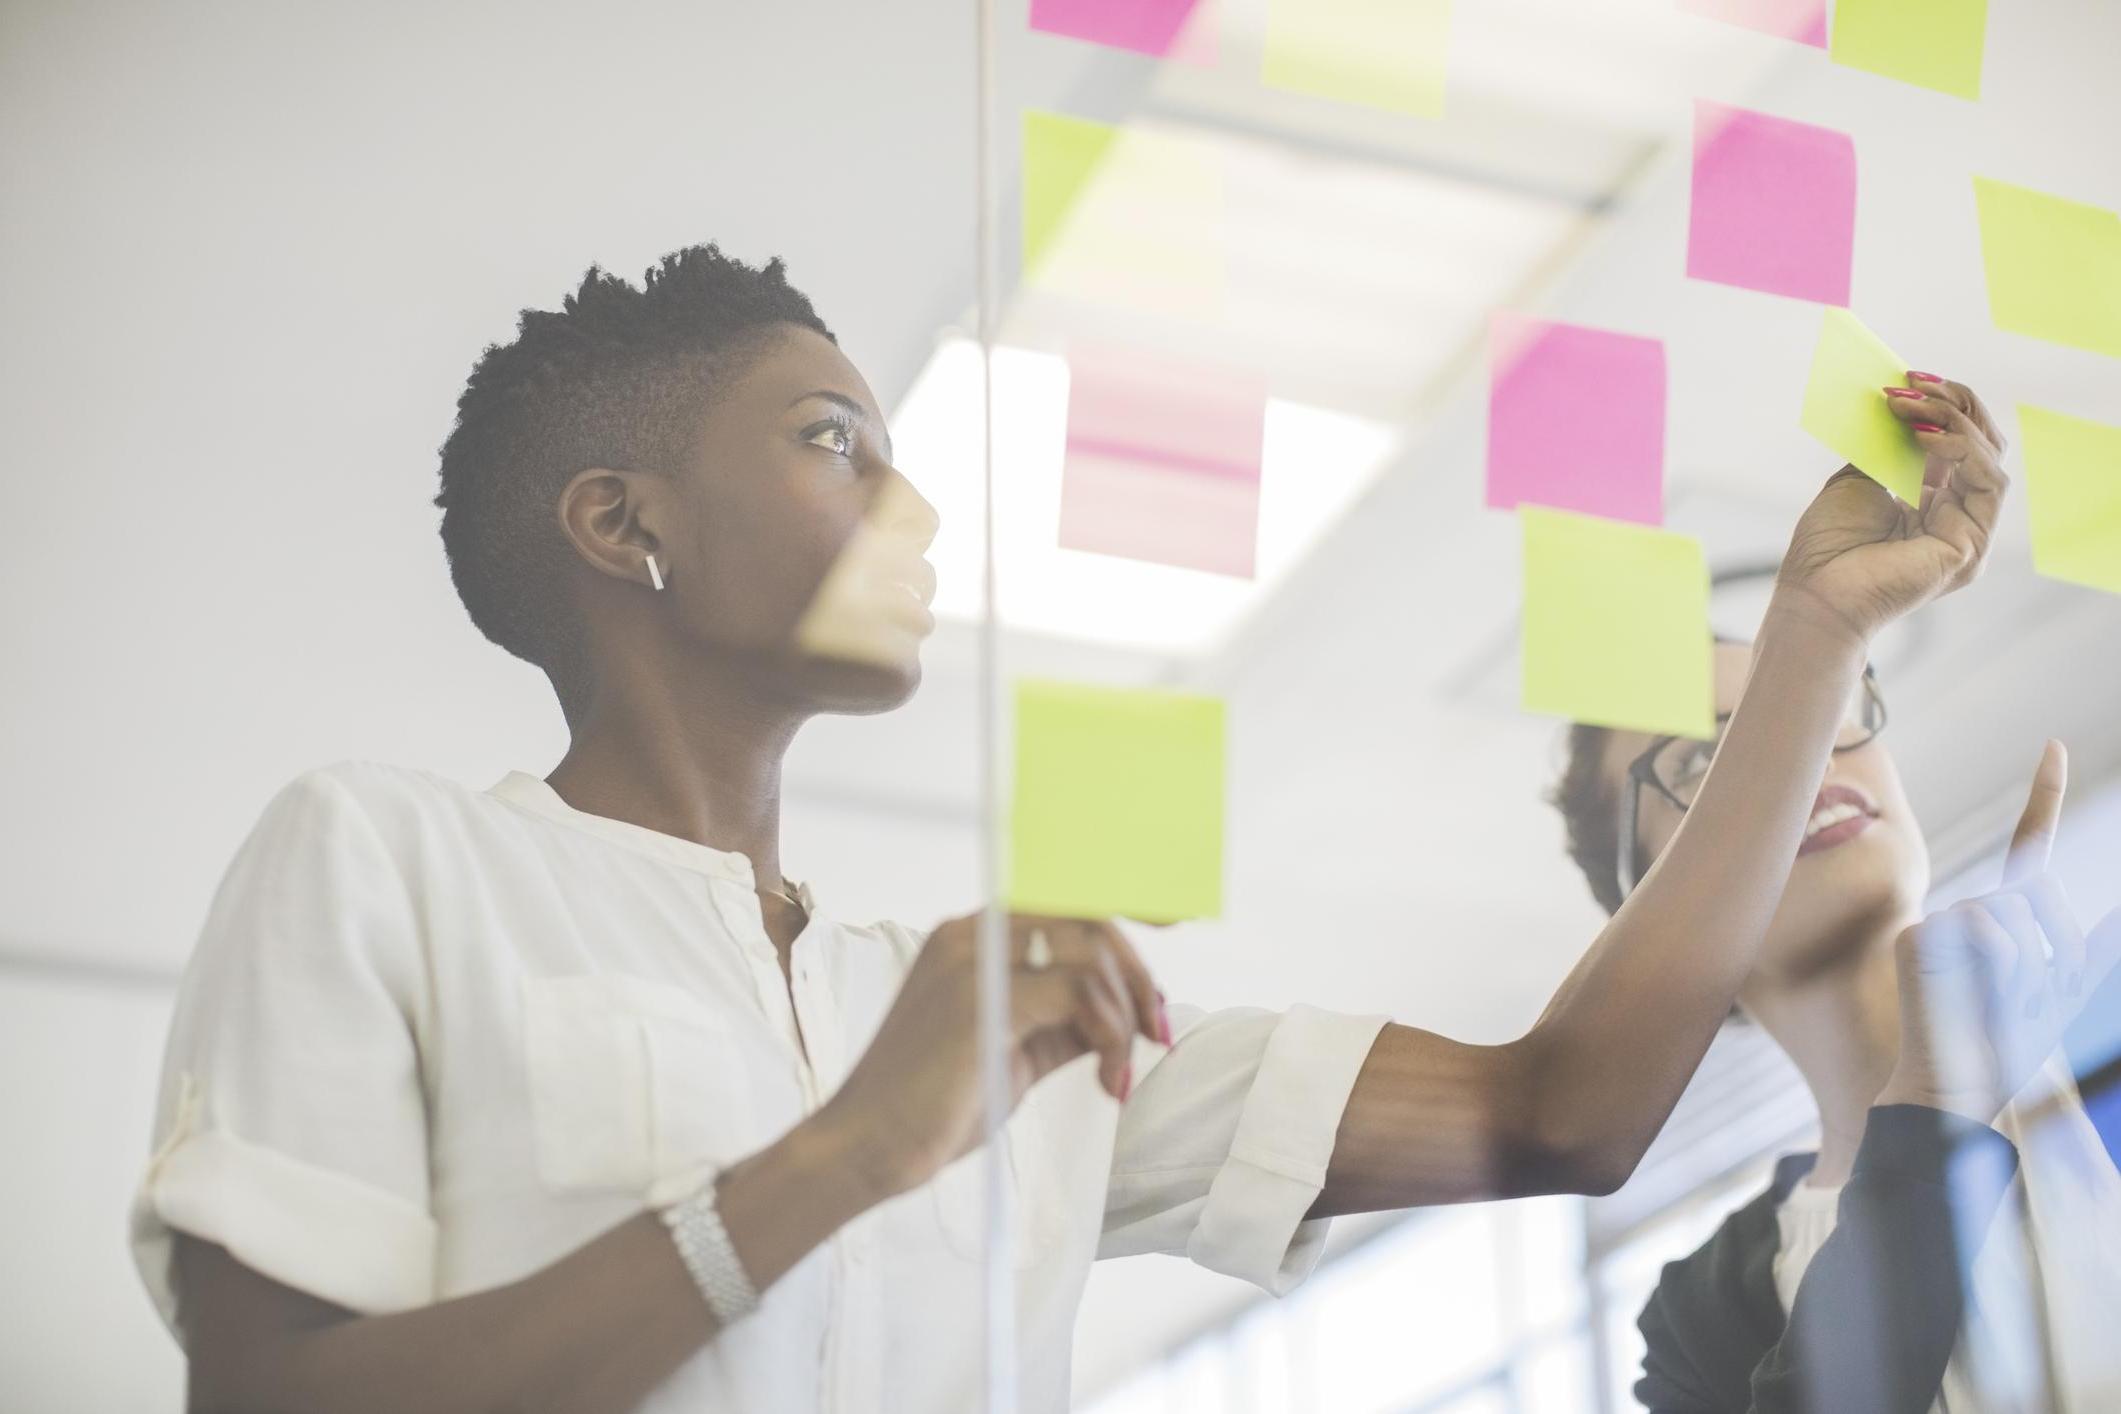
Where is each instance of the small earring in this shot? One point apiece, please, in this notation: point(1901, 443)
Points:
point(655, 574)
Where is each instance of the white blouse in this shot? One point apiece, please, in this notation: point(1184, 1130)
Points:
point(434, 1038)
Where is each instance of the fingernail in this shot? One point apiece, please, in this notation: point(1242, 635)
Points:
point(1126, 1082)
point(1925, 427)
point(2032, 1008)
point(1925, 377)
point(1905, 393)
point(1163, 1021)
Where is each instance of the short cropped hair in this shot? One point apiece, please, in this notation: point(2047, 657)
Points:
point(618, 377)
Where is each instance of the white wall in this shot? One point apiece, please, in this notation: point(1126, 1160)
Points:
point(79, 1057)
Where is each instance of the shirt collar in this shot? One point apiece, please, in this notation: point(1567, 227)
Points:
point(535, 794)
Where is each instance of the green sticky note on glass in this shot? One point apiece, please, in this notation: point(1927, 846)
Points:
point(1385, 54)
point(1845, 406)
point(1616, 625)
point(1118, 810)
point(1060, 156)
point(2054, 266)
point(1934, 43)
point(2073, 497)
point(1132, 218)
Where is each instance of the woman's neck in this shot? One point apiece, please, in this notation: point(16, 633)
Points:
point(697, 756)
point(1842, 1028)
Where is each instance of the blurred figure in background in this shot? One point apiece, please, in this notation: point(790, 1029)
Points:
point(1915, 1037)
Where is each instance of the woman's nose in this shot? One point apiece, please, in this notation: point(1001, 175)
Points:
point(900, 508)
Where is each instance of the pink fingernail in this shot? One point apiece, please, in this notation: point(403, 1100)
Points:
point(1163, 1022)
point(1925, 427)
point(1925, 377)
point(1126, 1082)
point(1904, 393)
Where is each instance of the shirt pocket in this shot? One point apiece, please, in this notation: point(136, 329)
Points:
point(960, 1193)
point(630, 1080)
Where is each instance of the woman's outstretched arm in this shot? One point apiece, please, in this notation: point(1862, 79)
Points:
point(1572, 1105)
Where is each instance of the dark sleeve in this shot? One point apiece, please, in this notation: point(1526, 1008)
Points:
point(1878, 1311)
point(1672, 1383)
point(1713, 1314)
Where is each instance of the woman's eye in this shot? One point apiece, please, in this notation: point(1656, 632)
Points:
point(833, 439)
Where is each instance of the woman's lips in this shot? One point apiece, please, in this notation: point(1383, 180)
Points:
point(908, 606)
point(1836, 834)
point(1839, 814)
point(908, 594)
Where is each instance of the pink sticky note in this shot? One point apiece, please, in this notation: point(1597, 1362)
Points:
point(1145, 26)
point(1163, 461)
point(1575, 420)
point(1801, 20)
point(1774, 204)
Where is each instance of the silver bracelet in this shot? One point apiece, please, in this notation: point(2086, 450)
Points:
point(703, 1243)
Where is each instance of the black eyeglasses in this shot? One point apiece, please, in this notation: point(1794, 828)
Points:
point(1675, 766)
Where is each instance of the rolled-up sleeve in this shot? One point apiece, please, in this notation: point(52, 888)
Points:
point(1223, 1146)
point(292, 1126)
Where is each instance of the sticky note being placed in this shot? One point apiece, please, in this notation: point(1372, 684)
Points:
point(1163, 460)
point(1934, 43)
point(2073, 497)
point(1801, 20)
point(1616, 625)
point(1576, 419)
point(1385, 54)
point(1144, 26)
point(1774, 204)
point(1122, 216)
point(1118, 807)
point(2054, 266)
point(1845, 405)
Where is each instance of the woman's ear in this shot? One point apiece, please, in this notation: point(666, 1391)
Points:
point(606, 515)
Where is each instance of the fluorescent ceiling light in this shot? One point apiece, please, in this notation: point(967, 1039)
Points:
point(1316, 464)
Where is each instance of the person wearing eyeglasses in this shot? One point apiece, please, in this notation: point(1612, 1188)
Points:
point(1886, 1272)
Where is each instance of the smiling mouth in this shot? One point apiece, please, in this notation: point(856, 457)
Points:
point(1838, 815)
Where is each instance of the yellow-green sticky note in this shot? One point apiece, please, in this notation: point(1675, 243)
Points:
point(2054, 266)
point(1118, 808)
point(1845, 407)
point(1385, 54)
point(2073, 497)
point(1934, 43)
point(1060, 155)
point(1616, 624)
point(1131, 217)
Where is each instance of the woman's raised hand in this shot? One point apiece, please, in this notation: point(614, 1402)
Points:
point(1077, 987)
point(1988, 986)
point(1862, 557)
